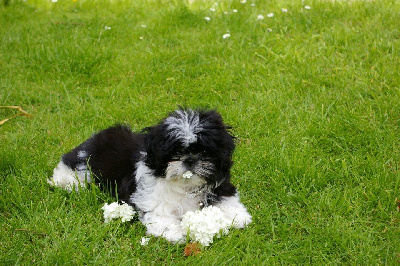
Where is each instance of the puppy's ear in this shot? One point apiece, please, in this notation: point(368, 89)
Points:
point(154, 144)
point(229, 141)
point(217, 134)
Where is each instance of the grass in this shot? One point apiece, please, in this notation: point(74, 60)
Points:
point(313, 96)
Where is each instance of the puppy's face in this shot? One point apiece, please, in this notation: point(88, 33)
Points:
point(191, 162)
point(190, 145)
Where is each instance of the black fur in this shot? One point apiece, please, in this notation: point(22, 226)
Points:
point(114, 152)
point(112, 155)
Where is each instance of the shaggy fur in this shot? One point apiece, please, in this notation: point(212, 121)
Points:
point(149, 170)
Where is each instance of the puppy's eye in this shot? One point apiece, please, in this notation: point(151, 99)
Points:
point(176, 156)
point(204, 154)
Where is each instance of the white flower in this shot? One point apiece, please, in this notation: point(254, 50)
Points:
point(107, 28)
point(270, 15)
point(212, 9)
point(226, 36)
point(307, 7)
point(234, 10)
point(110, 211)
point(207, 18)
point(126, 212)
point(115, 211)
point(284, 10)
point(203, 225)
point(187, 174)
point(243, 1)
point(260, 17)
point(144, 241)
point(253, 5)
point(54, 1)
point(143, 26)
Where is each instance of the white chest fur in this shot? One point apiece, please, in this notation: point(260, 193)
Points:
point(162, 202)
point(165, 197)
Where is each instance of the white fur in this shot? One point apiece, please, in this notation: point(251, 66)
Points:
point(174, 170)
point(162, 202)
point(67, 178)
point(235, 211)
point(184, 127)
point(177, 169)
point(82, 154)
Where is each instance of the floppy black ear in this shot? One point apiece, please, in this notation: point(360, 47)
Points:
point(217, 135)
point(159, 148)
point(154, 144)
point(225, 188)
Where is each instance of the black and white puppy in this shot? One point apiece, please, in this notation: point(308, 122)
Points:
point(179, 165)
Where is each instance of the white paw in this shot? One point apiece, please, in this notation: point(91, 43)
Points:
point(241, 220)
point(235, 211)
point(166, 227)
point(175, 234)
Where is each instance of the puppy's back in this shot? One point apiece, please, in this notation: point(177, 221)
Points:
point(108, 157)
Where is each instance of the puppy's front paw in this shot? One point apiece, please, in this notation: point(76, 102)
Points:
point(235, 211)
point(175, 234)
point(241, 219)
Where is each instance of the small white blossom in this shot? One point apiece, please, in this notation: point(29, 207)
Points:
point(116, 210)
point(260, 17)
point(143, 26)
point(187, 174)
point(307, 7)
point(107, 28)
point(253, 5)
point(205, 224)
point(144, 241)
point(212, 9)
point(234, 10)
point(243, 1)
point(54, 1)
point(226, 36)
point(110, 211)
point(284, 10)
point(270, 15)
point(207, 18)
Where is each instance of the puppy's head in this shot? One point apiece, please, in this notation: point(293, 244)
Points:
point(190, 144)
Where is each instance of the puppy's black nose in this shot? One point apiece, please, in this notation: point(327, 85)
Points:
point(190, 161)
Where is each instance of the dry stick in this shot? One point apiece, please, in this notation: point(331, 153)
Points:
point(23, 112)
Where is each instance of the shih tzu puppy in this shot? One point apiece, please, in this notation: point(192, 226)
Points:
point(179, 165)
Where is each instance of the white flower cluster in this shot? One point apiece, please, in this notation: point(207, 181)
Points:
point(116, 210)
point(203, 225)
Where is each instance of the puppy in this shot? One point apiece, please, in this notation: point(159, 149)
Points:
point(179, 165)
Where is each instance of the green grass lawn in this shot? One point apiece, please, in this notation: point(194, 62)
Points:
point(313, 96)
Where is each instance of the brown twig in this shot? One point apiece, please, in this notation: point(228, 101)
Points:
point(22, 112)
